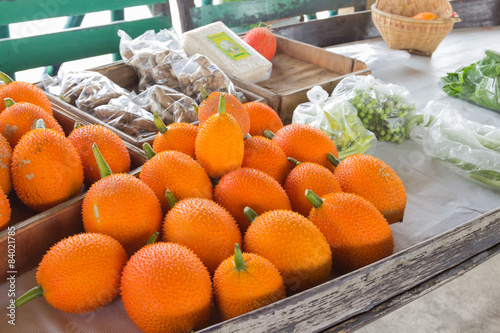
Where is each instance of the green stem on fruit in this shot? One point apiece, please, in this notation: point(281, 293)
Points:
point(104, 169)
point(152, 239)
point(29, 296)
point(203, 93)
point(314, 199)
point(293, 161)
point(171, 199)
point(250, 214)
point(239, 263)
point(5, 78)
point(8, 102)
point(222, 104)
point(268, 134)
point(332, 159)
point(65, 99)
point(77, 125)
point(40, 124)
point(160, 125)
point(196, 108)
point(150, 153)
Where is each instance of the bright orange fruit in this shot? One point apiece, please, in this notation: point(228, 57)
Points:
point(21, 91)
point(262, 117)
point(166, 288)
point(4, 210)
point(5, 165)
point(178, 136)
point(262, 154)
point(426, 16)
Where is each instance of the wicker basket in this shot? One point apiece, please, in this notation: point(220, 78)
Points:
point(393, 19)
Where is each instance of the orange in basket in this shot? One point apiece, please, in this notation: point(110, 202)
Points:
point(426, 16)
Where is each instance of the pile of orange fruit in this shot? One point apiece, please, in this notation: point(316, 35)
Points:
point(248, 211)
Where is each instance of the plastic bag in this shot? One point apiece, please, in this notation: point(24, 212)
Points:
point(338, 119)
point(468, 148)
point(383, 108)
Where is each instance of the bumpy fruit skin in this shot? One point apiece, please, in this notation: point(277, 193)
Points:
point(306, 143)
point(375, 181)
point(238, 292)
point(262, 40)
point(179, 137)
point(210, 106)
point(177, 172)
point(46, 169)
point(203, 226)
point(262, 117)
point(5, 165)
point(219, 145)
point(21, 91)
point(309, 176)
point(262, 154)
point(123, 207)
point(110, 145)
point(249, 187)
point(4, 210)
point(166, 288)
point(356, 231)
point(82, 273)
point(20, 118)
point(294, 245)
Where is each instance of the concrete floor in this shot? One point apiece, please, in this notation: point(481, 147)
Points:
point(470, 303)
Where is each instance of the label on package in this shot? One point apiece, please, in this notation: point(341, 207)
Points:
point(227, 45)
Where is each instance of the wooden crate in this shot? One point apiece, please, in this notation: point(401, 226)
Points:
point(297, 67)
point(36, 232)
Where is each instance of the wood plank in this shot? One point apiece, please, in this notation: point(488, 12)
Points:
point(339, 299)
point(14, 11)
point(31, 52)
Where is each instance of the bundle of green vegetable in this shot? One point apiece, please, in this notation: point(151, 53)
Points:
point(383, 108)
point(477, 83)
point(468, 148)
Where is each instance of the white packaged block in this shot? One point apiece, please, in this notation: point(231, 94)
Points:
point(225, 48)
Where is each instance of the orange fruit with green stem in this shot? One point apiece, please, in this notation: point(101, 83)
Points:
point(295, 246)
point(19, 118)
point(5, 165)
point(79, 274)
point(5, 210)
point(262, 154)
point(46, 169)
point(177, 172)
point(166, 288)
point(112, 148)
point(262, 117)
point(374, 180)
point(122, 206)
point(219, 143)
point(21, 91)
point(203, 226)
point(176, 136)
point(245, 282)
point(356, 231)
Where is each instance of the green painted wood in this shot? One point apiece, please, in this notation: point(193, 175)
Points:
point(240, 13)
point(117, 15)
point(24, 53)
point(13, 11)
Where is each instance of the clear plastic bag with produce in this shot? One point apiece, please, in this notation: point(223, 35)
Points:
point(468, 148)
point(338, 119)
point(383, 108)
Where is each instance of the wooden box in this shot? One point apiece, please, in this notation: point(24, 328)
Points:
point(297, 67)
point(36, 232)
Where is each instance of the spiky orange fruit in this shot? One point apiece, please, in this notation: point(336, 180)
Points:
point(111, 146)
point(295, 246)
point(179, 136)
point(219, 143)
point(306, 143)
point(234, 107)
point(5, 165)
point(245, 282)
point(262, 40)
point(426, 16)
point(203, 226)
point(21, 91)
point(262, 154)
point(46, 169)
point(262, 117)
point(177, 172)
point(4, 210)
point(356, 231)
point(166, 288)
point(310, 176)
point(124, 207)
point(375, 181)
point(249, 187)
point(80, 273)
